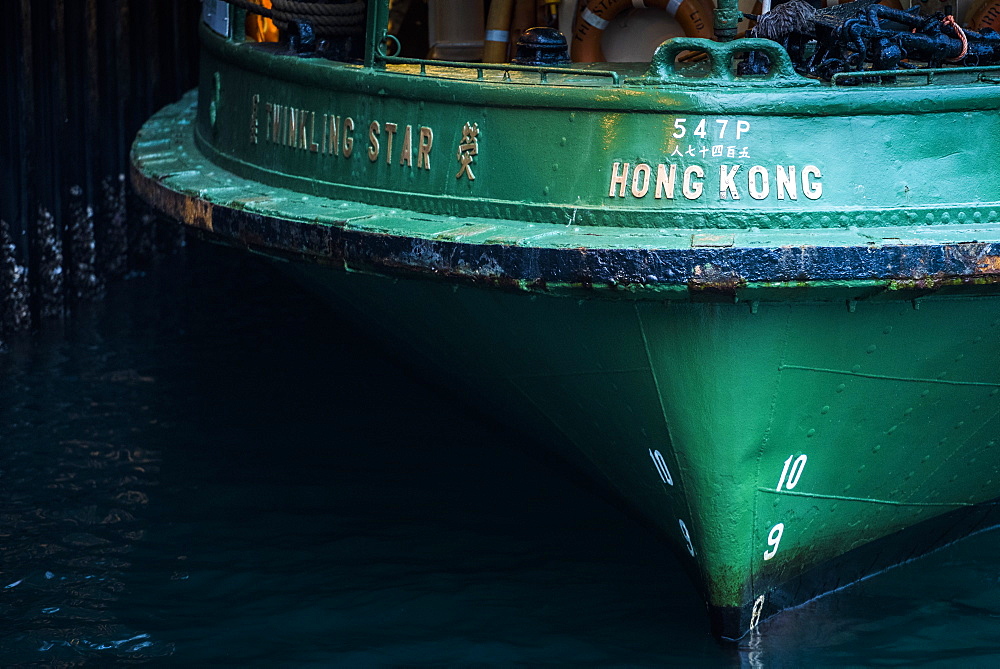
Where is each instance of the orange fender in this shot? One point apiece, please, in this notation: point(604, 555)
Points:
point(987, 16)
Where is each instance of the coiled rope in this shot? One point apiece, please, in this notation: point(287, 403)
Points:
point(950, 21)
point(328, 19)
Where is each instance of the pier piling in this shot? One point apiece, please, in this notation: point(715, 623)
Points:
point(80, 77)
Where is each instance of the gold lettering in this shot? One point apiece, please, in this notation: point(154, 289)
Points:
point(313, 146)
point(300, 139)
point(293, 127)
point(271, 125)
point(373, 146)
point(692, 190)
point(424, 148)
point(468, 149)
point(275, 124)
point(390, 132)
point(619, 177)
point(665, 181)
point(254, 101)
point(333, 143)
point(406, 153)
point(348, 140)
point(640, 189)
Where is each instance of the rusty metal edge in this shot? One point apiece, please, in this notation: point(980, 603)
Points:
point(719, 269)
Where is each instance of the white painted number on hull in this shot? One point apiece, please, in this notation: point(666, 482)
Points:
point(680, 128)
point(661, 467)
point(687, 537)
point(758, 608)
point(793, 474)
point(773, 539)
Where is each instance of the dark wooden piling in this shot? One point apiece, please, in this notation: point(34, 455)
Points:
point(14, 312)
point(80, 77)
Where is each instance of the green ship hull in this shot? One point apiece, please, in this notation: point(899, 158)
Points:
point(788, 362)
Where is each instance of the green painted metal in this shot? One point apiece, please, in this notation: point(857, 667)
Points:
point(768, 423)
point(548, 151)
point(375, 33)
point(726, 396)
point(727, 17)
point(664, 68)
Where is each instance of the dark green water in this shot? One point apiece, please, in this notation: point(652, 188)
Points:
point(209, 468)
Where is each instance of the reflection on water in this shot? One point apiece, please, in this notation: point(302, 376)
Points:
point(210, 468)
point(76, 468)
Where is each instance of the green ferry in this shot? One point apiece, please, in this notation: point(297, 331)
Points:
point(752, 282)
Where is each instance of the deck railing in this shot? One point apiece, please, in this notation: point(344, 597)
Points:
point(481, 68)
point(931, 73)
